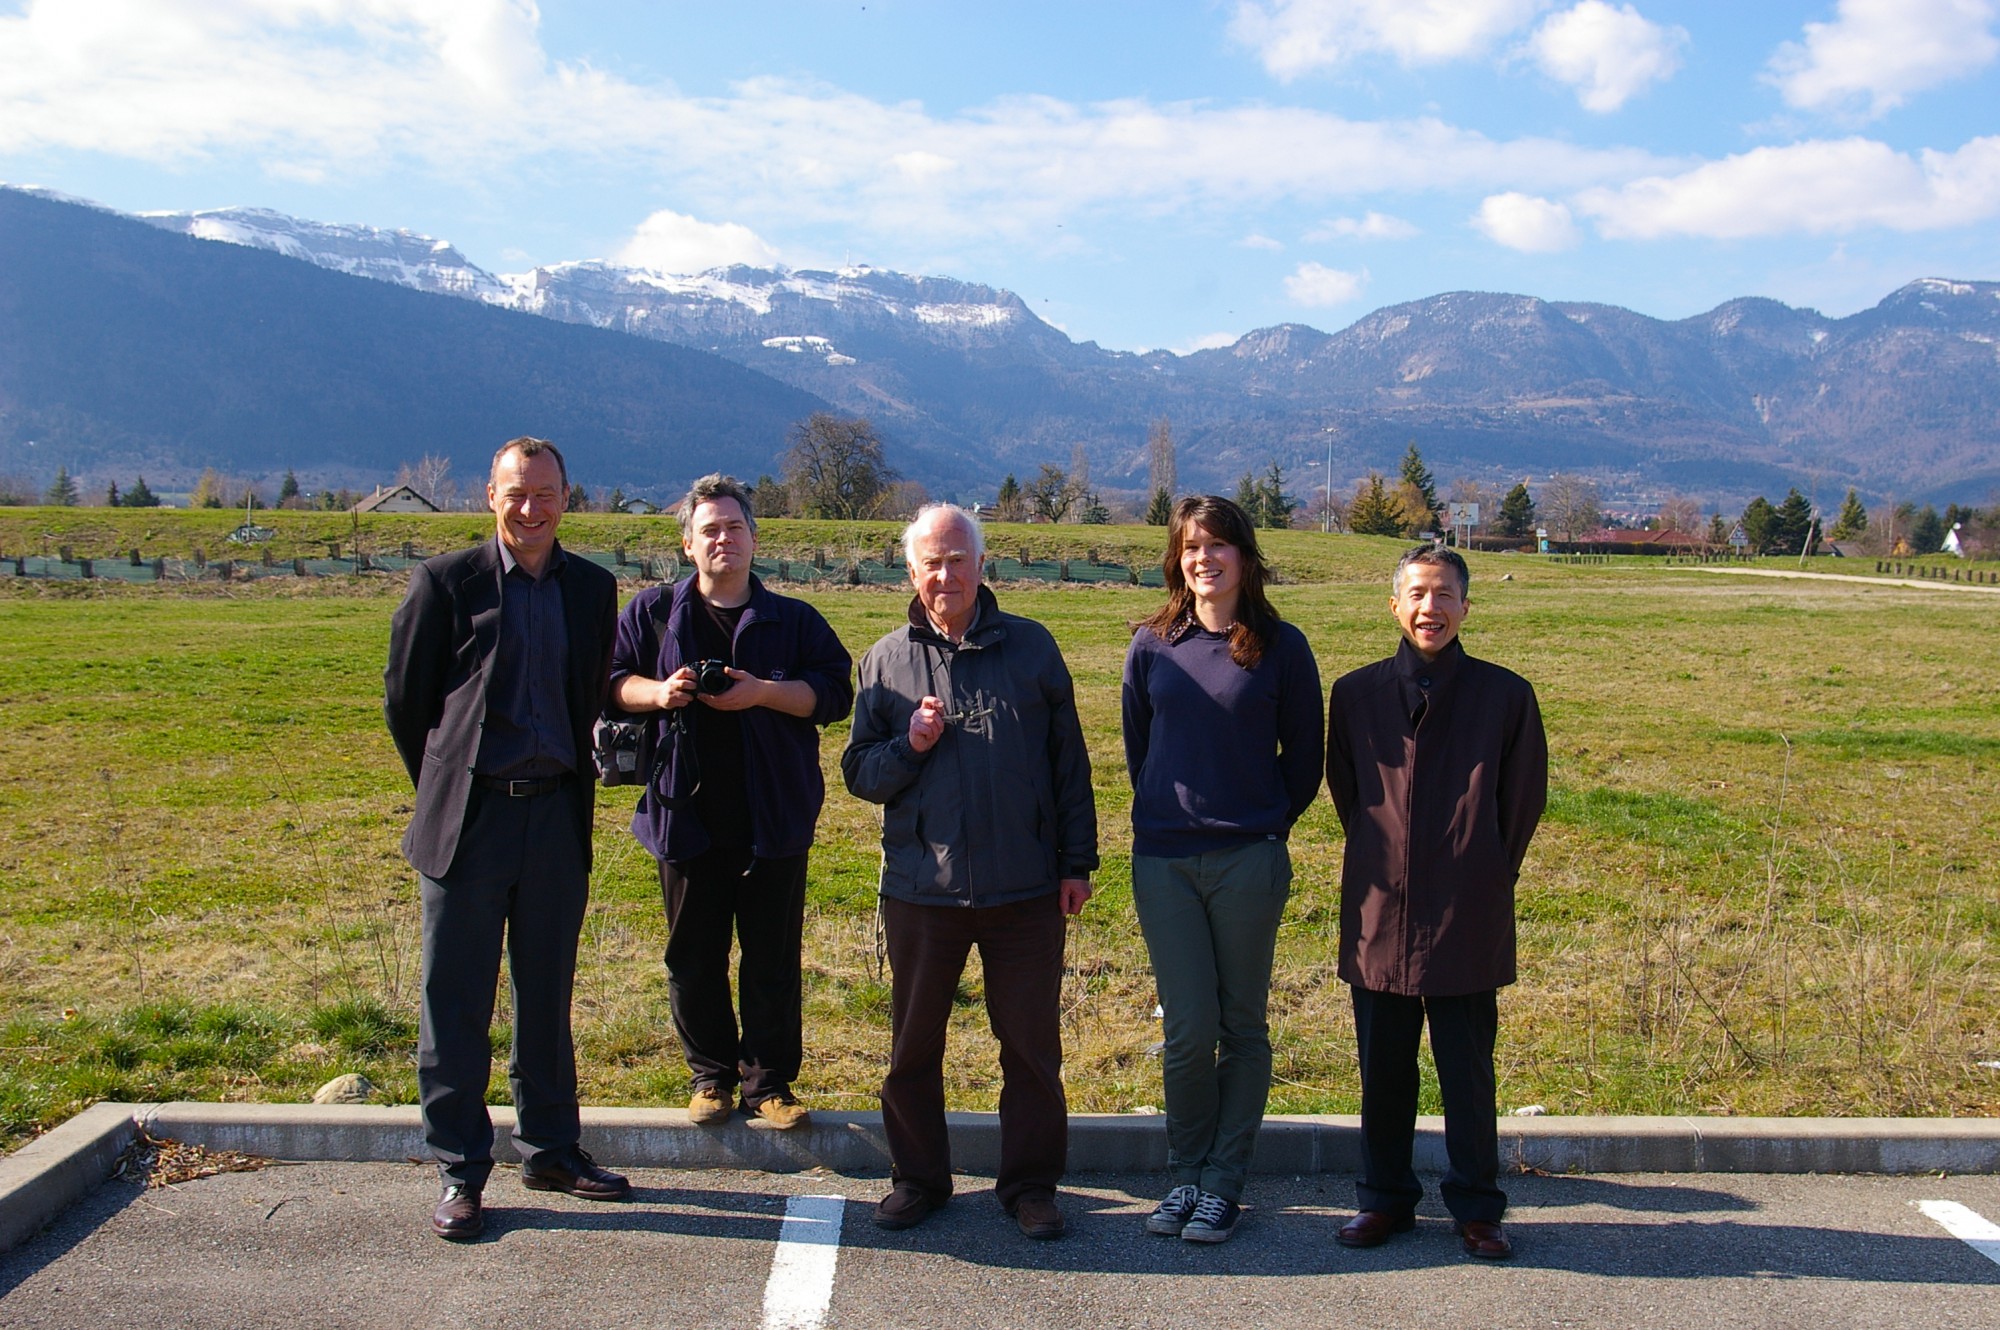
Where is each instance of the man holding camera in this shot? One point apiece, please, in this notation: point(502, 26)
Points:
point(740, 679)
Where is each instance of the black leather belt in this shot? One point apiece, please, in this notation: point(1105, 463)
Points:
point(522, 789)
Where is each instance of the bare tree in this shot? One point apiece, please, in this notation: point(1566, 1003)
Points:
point(430, 476)
point(1052, 495)
point(1467, 490)
point(835, 467)
point(1162, 476)
point(1678, 512)
point(1570, 506)
point(1079, 475)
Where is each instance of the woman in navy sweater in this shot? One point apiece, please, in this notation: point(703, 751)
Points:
point(1224, 742)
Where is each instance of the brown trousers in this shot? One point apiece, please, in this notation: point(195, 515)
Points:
point(1021, 955)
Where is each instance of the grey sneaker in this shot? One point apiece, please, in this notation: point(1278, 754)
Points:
point(1172, 1214)
point(1213, 1220)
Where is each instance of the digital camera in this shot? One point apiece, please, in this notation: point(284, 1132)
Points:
point(711, 676)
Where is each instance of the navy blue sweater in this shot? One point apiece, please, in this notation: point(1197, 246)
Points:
point(1219, 755)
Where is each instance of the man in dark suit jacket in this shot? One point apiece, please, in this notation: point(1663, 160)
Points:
point(1439, 770)
point(498, 661)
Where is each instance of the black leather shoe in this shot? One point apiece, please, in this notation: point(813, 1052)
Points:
point(1038, 1216)
point(905, 1206)
point(574, 1171)
point(1372, 1228)
point(1484, 1240)
point(457, 1217)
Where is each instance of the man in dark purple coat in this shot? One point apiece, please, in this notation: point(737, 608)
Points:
point(1439, 770)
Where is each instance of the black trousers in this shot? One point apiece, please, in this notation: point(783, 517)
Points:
point(1463, 1028)
point(1021, 959)
point(520, 876)
point(762, 902)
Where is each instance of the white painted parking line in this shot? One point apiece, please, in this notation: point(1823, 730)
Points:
point(801, 1282)
point(1967, 1225)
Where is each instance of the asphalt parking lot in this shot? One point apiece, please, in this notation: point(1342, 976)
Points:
point(346, 1244)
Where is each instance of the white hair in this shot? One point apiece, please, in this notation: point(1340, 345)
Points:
point(939, 514)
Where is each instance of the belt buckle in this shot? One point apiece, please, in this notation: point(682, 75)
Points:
point(521, 789)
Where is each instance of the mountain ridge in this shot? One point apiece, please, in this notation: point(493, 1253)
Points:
point(1752, 395)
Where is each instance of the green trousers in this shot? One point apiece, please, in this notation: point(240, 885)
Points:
point(1211, 925)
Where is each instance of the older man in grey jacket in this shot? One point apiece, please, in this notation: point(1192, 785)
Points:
point(965, 731)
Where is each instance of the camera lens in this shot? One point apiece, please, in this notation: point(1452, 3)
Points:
point(712, 676)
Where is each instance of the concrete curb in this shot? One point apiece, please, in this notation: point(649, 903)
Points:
point(48, 1174)
point(44, 1176)
point(1126, 1143)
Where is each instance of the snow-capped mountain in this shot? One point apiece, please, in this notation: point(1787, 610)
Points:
point(965, 380)
point(402, 257)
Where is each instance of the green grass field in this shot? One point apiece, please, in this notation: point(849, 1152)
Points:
point(1766, 882)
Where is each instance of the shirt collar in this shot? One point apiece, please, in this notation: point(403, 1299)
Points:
point(1411, 665)
point(508, 563)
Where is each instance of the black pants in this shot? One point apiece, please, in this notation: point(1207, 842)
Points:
point(1463, 1028)
point(519, 874)
point(762, 902)
point(1021, 958)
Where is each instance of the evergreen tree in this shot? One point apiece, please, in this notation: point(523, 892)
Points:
point(139, 496)
point(616, 503)
point(579, 499)
point(1759, 524)
point(1517, 512)
point(1161, 510)
point(1250, 499)
point(1853, 519)
point(1416, 473)
point(1718, 530)
point(1792, 524)
point(62, 490)
point(1277, 509)
point(1374, 511)
point(288, 490)
point(1927, 532)
point(1008, 505)
point(111, 499)
point(1094, 511)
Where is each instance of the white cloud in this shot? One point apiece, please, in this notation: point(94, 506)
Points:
point(1374, 226)
point(1294, 37)
point(1818, 187)
point(676, 243)
point(1609, 54)
point(1878, 52)
point(1206, 342)
point(1256, 240)
point(1317, 285)
point(1526, 223)
point(463, 90)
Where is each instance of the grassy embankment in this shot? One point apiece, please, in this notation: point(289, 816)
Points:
point(1765, 883)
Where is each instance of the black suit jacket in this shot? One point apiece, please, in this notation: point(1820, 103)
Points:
point(441, 647)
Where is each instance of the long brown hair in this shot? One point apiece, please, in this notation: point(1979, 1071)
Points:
point(1256, 621)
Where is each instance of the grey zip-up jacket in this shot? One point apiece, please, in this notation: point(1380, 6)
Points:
point(1000, 809)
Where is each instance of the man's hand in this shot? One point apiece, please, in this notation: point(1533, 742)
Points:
point(927, 727)
point(1073, 892)
point(676, 690)
point(792, 697)
point(744, 691)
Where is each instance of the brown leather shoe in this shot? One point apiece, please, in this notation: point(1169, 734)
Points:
point(1372, 1228)
point(905, 1206)
point(457, 1217)
point(780, 1112)
point(1484, 1240)
point(1038, 1216)
point(575, 1172)
point(711, 1104)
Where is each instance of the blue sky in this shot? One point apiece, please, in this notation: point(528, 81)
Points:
point(1144, 175)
